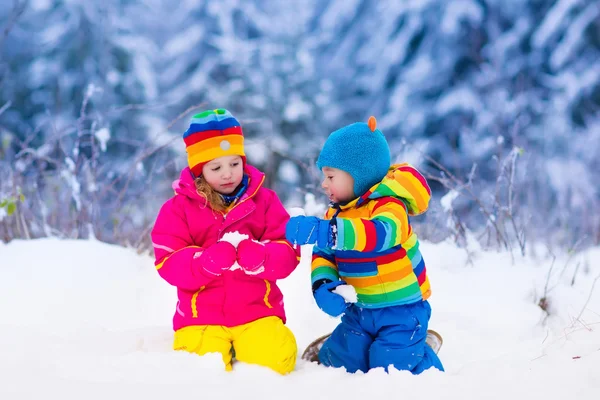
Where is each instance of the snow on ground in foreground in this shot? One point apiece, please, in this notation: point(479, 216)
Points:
point(83, 319)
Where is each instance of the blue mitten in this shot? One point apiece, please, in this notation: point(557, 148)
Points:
point(331, 303)
point(309, 230)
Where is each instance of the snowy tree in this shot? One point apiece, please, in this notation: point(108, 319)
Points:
point(245, 56)
point(78, 88)
point(464, 82)
point(495, 100)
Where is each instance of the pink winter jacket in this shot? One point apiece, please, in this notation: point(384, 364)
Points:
point(186, 225)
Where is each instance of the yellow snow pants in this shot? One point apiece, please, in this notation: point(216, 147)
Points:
point(265, 341)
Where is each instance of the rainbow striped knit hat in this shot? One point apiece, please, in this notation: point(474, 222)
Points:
point(212, 134)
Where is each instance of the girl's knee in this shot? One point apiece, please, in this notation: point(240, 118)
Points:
point(203, 339)
point(284, 361)
point(271, 344)
point(189, 338)
point(278, 351)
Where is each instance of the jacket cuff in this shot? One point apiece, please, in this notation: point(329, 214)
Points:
point(318, 283)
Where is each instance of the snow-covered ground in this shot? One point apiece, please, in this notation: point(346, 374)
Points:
point(87, 320)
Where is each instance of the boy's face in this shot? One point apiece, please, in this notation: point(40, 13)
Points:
point(224, 174)
point(338, 184)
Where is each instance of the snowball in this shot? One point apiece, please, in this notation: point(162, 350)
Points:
point(234, 238)
point(347, 292)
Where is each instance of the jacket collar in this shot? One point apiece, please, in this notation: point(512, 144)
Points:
point(403, 182)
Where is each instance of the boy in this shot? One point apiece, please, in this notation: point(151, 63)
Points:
point(366, 241)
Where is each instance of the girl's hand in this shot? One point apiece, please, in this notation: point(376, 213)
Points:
point(217, 258)
point(251, 256)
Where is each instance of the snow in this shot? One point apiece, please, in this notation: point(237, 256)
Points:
point(576, 31)
point(40, 5)
point(234, 238)
point(461, 98)
point(84, 319)
point(189, 38)
point(447, 200)
point(295, 211)
point(552, 21)
point(146, 74)
point(313, 207)
point(572, 192)
point(335, 15)
point(73, 183)
point(456, 12)
point(297, 109)
point(288, 172)
point(52, 34)
point(256, 151)
point(103, 136)
point(574, 85)
point(347, 292)
point(92, 89)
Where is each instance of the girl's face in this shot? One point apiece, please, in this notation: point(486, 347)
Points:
point(338, 184)
point(224, 174)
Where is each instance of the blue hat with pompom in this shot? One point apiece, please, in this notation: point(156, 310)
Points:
point(361, 150)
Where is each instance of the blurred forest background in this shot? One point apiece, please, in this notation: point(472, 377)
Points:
point(496, 101)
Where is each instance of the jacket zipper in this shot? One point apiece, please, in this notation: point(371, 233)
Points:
point(229, 223)
point(226, 225)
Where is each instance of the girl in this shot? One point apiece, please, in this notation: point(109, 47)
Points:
point(228, 299)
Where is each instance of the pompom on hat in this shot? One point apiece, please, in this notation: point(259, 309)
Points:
point(212, 134)
point(361, 150)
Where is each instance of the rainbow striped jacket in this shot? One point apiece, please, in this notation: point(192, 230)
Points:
point(376, 250)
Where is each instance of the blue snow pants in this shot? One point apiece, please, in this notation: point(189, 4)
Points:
point(379, 337)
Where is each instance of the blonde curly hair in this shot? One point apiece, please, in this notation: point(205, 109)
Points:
point(214, 198)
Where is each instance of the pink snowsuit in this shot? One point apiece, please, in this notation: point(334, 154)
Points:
point(186, 225)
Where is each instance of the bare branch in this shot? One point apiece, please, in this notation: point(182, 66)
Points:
point(462, 186)
point(147, 154)
point(18, 10)
point(587, 301)
point(5, 107)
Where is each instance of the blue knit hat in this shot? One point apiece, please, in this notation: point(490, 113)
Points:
point(359, 149)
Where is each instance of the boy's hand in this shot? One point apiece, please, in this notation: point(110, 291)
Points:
point(331, 303)
point(309, 230)
point(251, 256)
point(217, 258)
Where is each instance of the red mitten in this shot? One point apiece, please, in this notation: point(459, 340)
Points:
point(251, 256)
